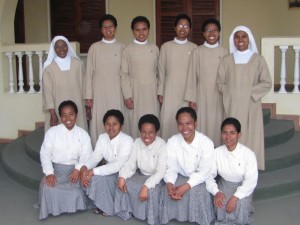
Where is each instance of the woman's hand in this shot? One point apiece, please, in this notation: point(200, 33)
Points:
point(193, 105)
point(181, 190)
point(74, 177)
point(50, 180)
point(144, 193)
point(53, 118)
point(219, 200)
point(129, 103)
point(122, 184)
point(89, 103)
point(231, 204)
point(160, 99)
point(85, 176)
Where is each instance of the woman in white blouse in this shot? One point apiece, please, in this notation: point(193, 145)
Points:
point(65, 147)
point(114, 147)
point(140, 179)
point(237, 167)
point(190, 154)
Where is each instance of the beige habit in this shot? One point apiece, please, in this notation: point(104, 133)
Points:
point(59, 86)
point(173, 69)
point(242, 87)
point(103, 83)
point(202, 89)
point(139, 81)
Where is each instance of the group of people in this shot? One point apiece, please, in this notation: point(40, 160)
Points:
point(138, 91)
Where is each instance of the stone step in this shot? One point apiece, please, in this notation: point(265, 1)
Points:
point(278, 183)
point(19, 166)
point(278, 132)
point(284, 155)
point(33, 143)
point(266, 116)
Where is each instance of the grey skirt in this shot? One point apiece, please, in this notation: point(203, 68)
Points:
point(244, 208)
point(195, 206)
point(64, 197)
point(102, 191)
point(128, 204)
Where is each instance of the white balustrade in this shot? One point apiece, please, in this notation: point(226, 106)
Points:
point(296, 70)
point(283, 69)
point(31, 79)
point(11, 73)
point(40, 55)
point(20, 73)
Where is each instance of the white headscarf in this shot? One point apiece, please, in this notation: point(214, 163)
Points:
point(63, 63)
point(242, 57)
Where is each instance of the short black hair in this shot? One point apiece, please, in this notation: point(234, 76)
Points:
point(209, 21)
point(149, 118)
point(139, 19)
point(189, 110)
point(108, 17)
point(232, 121)
point(115, 113)
point(65, 104)
point(183, 16)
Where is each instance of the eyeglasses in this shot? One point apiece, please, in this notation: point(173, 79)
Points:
point(212, 31)
point(185, 26)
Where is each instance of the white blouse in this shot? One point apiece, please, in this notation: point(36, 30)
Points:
point(190, 160)
point(238, 165)
point(151, 160)
point(63, 146)
point(115, 152)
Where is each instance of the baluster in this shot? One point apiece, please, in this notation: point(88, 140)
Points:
point(20, 72)
point(11, 73)
point(31, 79)
point(296, 69)
point(40, 54)
point(283, 70)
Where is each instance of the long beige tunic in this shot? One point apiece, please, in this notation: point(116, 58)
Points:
point(139, 81)
point(173, 70)
point(242, 87)
point(59, 86)
point(202, 89)
point(103, 83)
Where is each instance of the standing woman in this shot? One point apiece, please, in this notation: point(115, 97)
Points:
point(102, 80)
point(65, 147)
point(138, 193)
point(114, 146)
point(173, 69)
point(62, 80)
point(201, 88)
point(190, 153)
point(139, 75)
point(243, 79)
point(236, 165)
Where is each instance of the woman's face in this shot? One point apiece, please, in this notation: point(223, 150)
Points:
point(61, 48)
point(186, 125)
point(141, 31)
point(241, 40)
point(182, 29)
point(108, 30)
point(112, 126)
point(211, 33)
point(230, 136)
point(68, 117)
point(148, 133)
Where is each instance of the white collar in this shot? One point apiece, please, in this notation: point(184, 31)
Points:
point(108, 41)
point(139, 42)
point(211, 46)
point(242, 57)
point(63, 63)
point(177, 41)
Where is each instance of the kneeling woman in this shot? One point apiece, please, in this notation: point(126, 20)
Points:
point(237, 167)
point(138, 192)
point(190, 153)
point(114, 147)
point(65, 147)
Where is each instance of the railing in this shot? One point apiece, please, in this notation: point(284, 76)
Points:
point(285, 93)
point(15, 55)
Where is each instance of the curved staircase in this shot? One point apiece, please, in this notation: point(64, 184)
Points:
point(21, 159)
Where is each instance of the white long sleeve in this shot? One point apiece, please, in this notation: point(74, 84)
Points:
point(237, 166)
point(190, 160)
point(151, 160)
point(115, 152)
point(65, 146)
